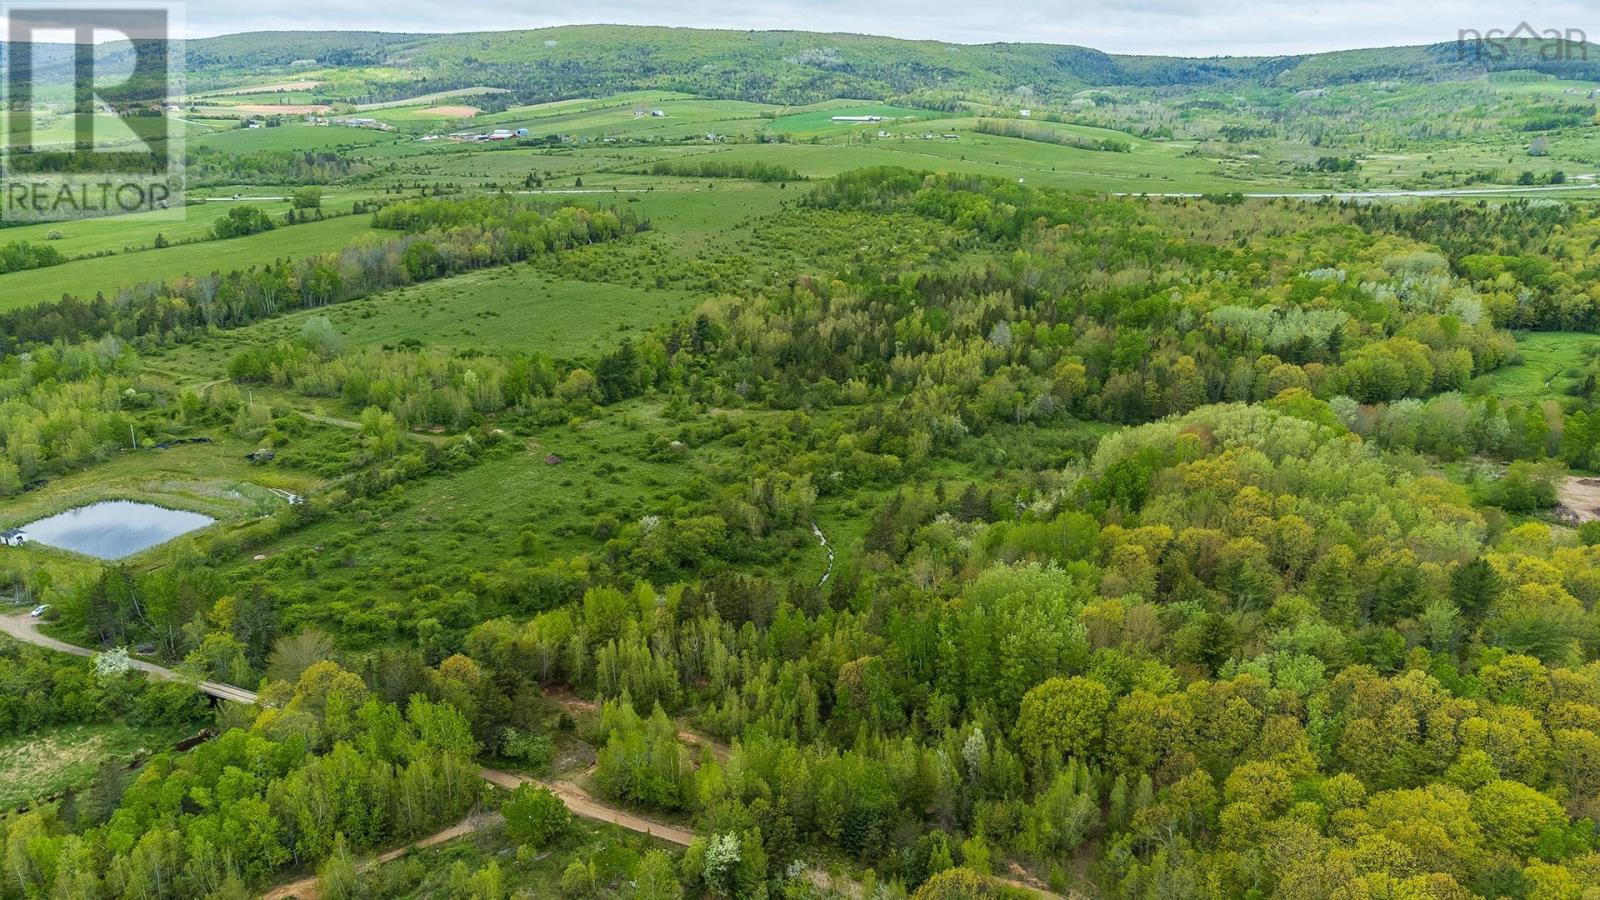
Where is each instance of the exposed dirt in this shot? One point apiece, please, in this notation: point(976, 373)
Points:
point(1580, 499)
point(273, 109)
point(453, 112)
point(265, 88)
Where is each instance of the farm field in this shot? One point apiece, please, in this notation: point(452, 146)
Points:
point(820, 120)
point(86, 237)
point(105, 274)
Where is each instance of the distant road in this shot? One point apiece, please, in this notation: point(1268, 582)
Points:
point(24, 627)
point(1373, 195)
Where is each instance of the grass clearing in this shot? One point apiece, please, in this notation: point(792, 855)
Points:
point(1552, 364)
point(46, 763)
point(497, 310)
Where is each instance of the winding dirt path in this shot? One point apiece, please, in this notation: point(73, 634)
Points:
point(571, 701)
point(306, 888)
point(582, 803)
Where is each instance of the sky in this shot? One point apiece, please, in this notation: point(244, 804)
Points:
point(1177, 27)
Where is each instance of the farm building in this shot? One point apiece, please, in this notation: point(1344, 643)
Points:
point(13, 537)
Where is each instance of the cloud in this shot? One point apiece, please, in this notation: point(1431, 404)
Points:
point(1177, 27)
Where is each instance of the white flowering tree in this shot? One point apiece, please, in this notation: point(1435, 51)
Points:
point(112, 663)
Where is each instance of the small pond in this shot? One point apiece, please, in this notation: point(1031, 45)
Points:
point(113, 529)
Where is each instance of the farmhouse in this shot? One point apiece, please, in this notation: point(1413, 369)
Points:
point(13, 537)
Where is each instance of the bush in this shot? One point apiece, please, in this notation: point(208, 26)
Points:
point(535, 816)
point(240, 221)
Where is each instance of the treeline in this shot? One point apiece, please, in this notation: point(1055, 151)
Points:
point(753, 170)
point(63, 407)
point(477, 234)
point(1524, 259)
point(1029, 132)
point(17, 256)
point(422, 387)
point(42, 689)
point(209, 165)
point(1194, 317)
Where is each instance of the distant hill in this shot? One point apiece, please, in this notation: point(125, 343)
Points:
point(802, 67)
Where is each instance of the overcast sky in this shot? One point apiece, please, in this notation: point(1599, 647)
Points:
point(1187, 27)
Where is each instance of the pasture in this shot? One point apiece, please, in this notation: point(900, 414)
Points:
point(105, 274)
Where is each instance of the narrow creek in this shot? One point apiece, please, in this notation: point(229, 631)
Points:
point(822, 539)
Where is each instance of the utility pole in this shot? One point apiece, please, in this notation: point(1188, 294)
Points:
point(133, 440)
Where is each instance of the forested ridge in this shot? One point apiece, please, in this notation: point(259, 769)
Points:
point(802, 67)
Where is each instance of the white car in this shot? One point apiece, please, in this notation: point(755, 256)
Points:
point(40, 610)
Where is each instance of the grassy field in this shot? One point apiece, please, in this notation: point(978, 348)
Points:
point(1552, 362)
point(117, 234)
point(46, 763)
point(819, 119)
point(295, 136)
point(506, 309)
point(627, 99)
point(55, 130)
point(361, 564)
point(83, 278)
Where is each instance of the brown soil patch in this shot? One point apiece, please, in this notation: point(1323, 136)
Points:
point(453, 112)
point(273, 109)
point(1581, 498)
point(266, 88)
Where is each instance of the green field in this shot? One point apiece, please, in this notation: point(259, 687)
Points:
point(294, 136)
point(511, 308)
point(1552, 364)
point(820, 120)
point(105, 274)
point(44, 764)
point(83, 237)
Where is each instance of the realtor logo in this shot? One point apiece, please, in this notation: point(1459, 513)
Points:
point(84, 126)
point(1551, 44)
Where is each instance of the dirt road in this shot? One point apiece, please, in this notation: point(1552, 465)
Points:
point(583, 804)
point(24, 627)
point(306, 888)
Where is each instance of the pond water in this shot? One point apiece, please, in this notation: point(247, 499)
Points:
point(113, 529)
